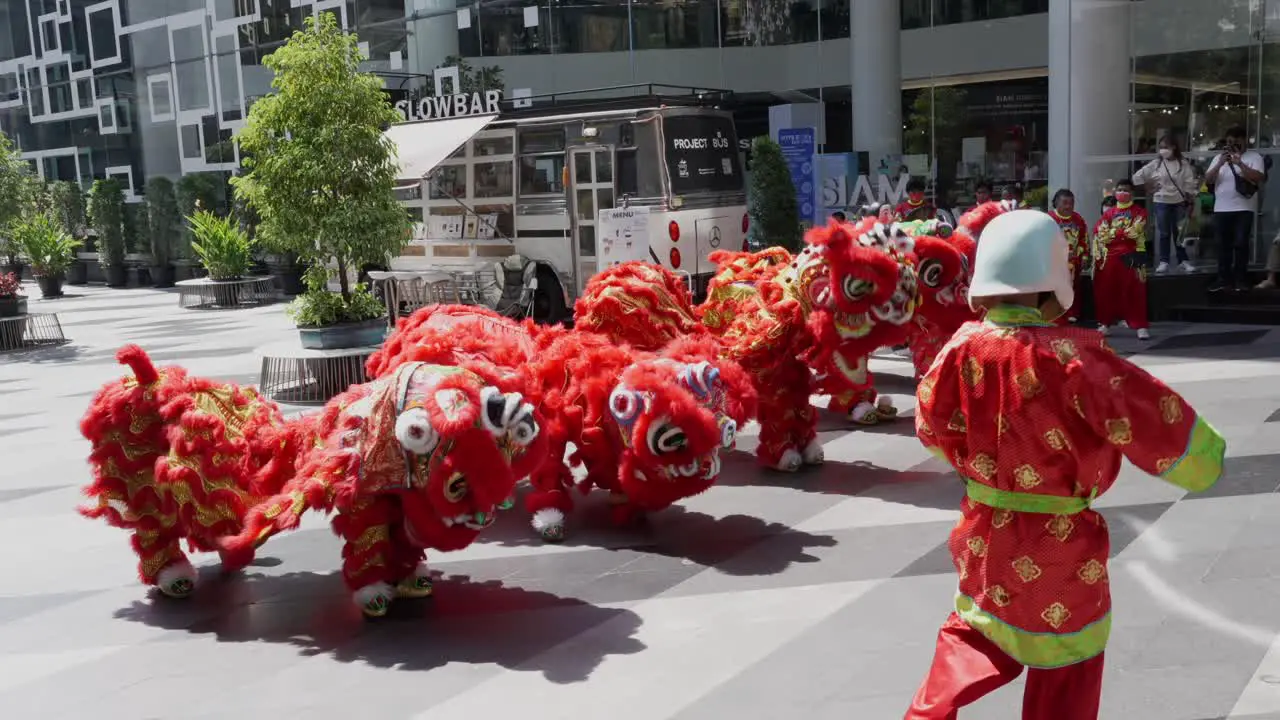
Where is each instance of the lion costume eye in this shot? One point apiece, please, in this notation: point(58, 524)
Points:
point(665, 438)
point(508, 415)
point(415, 433)
point(455, 488)
point(931, 273)
point(524, 429)
point(728, 432)
point(856, 288)
point(624, 404)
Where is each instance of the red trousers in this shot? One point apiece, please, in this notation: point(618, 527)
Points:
point(1077, 303)
point(967, 666)
point(1120, 293)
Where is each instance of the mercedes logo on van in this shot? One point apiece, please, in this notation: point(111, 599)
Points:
point(715, 236)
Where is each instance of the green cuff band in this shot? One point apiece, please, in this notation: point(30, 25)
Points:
point(1201, 465)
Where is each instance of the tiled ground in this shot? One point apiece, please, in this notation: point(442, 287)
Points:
point(768, 598)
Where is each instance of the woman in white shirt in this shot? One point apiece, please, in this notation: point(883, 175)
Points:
point(1172, 186)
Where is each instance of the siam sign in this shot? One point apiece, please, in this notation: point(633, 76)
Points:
point(451, 106)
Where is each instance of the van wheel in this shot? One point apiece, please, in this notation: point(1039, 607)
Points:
point(548, 300)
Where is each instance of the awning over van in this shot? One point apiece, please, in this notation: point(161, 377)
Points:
point(421, 146)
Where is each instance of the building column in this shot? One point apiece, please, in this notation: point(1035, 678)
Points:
point(876, 69)
point(432, 38)
point(1090, 80)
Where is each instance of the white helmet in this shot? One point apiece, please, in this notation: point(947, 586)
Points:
point(1022, 251)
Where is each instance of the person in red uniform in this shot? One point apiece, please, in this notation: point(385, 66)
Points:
point(1119, 269)
point(1036, 418)
point(1076, 231)
point(915, 207)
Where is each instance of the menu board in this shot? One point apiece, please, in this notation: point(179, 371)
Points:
point(622, 235)
point(701, 153)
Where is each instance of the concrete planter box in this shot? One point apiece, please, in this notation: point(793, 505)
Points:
point(344, 335)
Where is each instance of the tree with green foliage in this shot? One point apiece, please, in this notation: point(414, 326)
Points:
point(164, 220)
point(18, 188)
point(68, 207)
point(106, 213)
point(320, 174)
point(473, 80)
point(772, 206)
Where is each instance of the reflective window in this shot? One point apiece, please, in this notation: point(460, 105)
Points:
point(929, 13)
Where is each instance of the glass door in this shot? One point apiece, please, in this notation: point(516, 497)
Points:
point(590, 191)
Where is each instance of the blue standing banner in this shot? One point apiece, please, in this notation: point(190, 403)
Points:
point(799, 147)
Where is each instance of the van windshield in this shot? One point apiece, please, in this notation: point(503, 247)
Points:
point(702, 154)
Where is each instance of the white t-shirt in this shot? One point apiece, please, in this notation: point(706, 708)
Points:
point(1225, 197)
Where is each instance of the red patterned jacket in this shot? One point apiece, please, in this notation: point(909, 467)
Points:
point(1035, 419)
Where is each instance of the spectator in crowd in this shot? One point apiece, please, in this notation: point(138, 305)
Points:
point(1236, 175)
point(1076, 231)
point(839, 216)
point(1172, 187)
point(1013, 193)
point(982, 193)
point(915, 207)
point(1120, 259)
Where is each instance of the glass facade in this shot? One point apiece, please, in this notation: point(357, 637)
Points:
point(136, 89)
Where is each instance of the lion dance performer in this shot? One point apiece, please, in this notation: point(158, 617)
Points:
point(1076, 231)
point(765, 310)
point(410, 462)
point(648, 428)
point(1036, 418)
point(1120, 273)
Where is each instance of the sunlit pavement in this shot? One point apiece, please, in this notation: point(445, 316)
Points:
point(772, 597)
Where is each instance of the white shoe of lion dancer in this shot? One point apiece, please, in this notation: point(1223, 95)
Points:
point(177, 580)
point(790, 461)
point(813, 453)
point(549, 523)
point(374, 599)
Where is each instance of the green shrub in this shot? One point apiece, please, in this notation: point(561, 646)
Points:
point(318, 307)
point(49, 248)
point(106, 213)
point(224, 249)
point(771, 204)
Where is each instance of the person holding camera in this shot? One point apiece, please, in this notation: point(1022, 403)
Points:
point(1236, 175)
point(1119, 264)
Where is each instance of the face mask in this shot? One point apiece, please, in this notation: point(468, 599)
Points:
point(915, 198)
point(1166, 153)
point(1124, 198)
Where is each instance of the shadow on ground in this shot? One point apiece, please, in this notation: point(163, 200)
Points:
point(466, 622)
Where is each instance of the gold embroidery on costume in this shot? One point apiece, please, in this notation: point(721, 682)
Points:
point(977, 546)
point(1027, 477)
point(1029, 384)
point(1092, 571)
point(971, 373)
point(925, 390)
point(957, 423)
point(1026, 568)
point(1065, 350)
point(1171, 409)
point(1119, 432)
point(1001, 517)
point(1060, 526)
point(1163, 465)
point(1116, 382)
point(998, 595)
point(1056, 439)
point(983, 465)
point(1002, 425)
point(1056, 614)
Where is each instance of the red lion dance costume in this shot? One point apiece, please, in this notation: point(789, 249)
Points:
point(648, 428)
point(416, 460)
point(767, 311)
point(1036, 419)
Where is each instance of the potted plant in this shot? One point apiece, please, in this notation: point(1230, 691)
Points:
point(68, 207)
point(17, 191)
point(195, 191)
point(12, 302)
point(50, 249)
point(772, 207)
point(106, 212)
point(224, 250)
point(164, 225)
point(321, 178)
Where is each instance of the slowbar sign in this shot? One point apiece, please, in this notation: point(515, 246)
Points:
point(450, 106)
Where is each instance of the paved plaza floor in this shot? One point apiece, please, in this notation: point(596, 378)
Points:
point(770, 597)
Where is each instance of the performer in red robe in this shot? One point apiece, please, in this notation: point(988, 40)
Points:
point(1036, 418)
point(915, 207)
point(1076, 231)
point(1119, 271)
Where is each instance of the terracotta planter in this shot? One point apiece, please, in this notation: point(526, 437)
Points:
point(344, 335)
point(13, 307)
